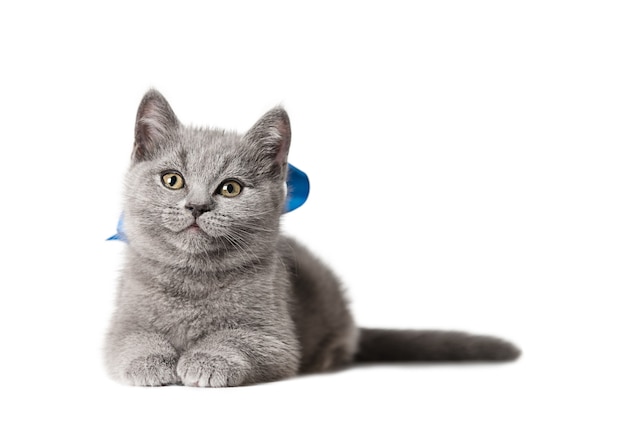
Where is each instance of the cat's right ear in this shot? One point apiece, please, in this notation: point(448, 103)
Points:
point(155, 120)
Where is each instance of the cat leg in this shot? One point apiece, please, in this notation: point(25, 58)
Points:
point(229, 358)
point(141, 358)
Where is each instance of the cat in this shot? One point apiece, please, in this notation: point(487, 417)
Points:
point(211, 293)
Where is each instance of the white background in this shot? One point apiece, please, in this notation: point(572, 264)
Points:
point(467, 162)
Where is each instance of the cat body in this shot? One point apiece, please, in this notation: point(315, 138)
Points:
point(212, 294)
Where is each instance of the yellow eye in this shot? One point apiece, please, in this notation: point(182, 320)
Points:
point(230, 188)
point(173, 180)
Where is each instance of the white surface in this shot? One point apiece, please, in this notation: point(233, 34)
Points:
point(467, 163)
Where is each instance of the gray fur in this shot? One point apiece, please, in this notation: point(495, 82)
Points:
point(230, 301)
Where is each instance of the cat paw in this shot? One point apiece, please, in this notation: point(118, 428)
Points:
point(152, 371)
point(206, 370)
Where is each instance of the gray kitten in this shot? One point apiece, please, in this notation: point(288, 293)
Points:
point(212, 294)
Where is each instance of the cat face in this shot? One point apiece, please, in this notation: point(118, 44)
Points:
point(200, 194)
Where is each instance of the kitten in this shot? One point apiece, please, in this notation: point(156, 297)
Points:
point(212, 294)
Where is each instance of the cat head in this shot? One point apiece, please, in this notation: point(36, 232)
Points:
point(204, 197)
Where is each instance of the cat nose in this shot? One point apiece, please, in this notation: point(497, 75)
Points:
point(198, 209)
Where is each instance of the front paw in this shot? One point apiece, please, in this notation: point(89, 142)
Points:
point(209, 370)
point(152, 371)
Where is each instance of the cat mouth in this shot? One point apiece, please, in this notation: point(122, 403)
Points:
point(192, 228)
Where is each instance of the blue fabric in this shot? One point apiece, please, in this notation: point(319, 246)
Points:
point(297, 188)
point(297, 193)
point(120, 235)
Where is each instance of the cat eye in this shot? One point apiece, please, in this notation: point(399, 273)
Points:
point(230, 188)
point(172, 180)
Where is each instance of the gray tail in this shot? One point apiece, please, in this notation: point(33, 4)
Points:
point(380, 345)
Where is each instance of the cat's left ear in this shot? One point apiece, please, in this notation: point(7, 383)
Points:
point(155, 122)
point(269, 139)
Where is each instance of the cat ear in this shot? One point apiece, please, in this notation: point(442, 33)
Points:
point(155, 120)
point(270, 138)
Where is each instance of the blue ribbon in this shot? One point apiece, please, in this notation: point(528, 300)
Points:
point(297, 193)
point(297, 188)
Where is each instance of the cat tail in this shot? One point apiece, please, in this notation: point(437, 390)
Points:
point(382, 345)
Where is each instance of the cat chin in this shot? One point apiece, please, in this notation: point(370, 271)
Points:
point(194, 241)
